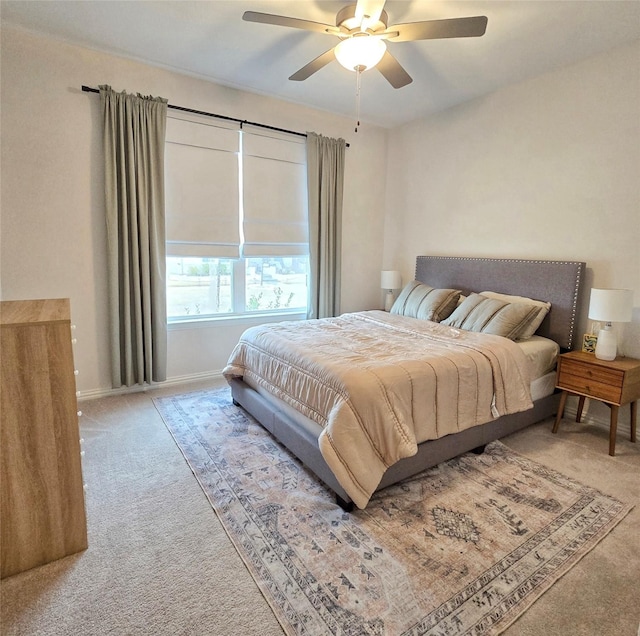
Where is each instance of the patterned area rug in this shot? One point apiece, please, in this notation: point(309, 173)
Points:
point(463, 548)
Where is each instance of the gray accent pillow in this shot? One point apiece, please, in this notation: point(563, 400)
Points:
point(543, 310)
point(418, 300)
point(490, 315)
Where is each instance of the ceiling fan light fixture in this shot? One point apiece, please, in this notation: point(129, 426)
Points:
point(360, 53)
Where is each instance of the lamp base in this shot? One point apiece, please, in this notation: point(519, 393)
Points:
point(388, 300)
point(606, 347)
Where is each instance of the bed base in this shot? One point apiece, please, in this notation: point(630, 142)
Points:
point(303, 441)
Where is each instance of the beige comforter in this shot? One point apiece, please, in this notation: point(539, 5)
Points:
point(380, 384)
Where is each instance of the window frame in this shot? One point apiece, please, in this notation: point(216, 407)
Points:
point(239, 270)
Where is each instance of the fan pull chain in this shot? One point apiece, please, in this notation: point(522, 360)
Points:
point(358, 78)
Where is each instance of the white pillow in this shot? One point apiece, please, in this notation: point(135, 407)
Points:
point(532, 327)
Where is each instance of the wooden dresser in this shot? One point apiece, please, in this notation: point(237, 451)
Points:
point(43, 513)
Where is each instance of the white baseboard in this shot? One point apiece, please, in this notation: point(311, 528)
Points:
point(180, 379)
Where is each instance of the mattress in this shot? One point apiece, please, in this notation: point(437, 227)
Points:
point(541, 353)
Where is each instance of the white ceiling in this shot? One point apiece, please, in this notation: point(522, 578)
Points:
point(210, 40)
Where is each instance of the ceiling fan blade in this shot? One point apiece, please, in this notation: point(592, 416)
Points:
point(368, 11)
point(435, 29)
point(314, 66)
point(295, 23)
point(393, 71)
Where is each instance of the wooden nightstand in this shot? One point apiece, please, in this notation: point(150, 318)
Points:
point(615, 382)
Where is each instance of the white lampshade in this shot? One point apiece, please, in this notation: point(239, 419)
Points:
point(611, 305)
point(361, 51)
point(390, 280)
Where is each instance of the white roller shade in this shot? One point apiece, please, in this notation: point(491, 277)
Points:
point(274, 196)
point(201, 190)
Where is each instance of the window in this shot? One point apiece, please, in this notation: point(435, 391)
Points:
point(276, 283)
point(205, 287)
point(199, 286)
point(237, 231)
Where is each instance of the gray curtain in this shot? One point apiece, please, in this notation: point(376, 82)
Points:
point(325, 183)
point(134, 137)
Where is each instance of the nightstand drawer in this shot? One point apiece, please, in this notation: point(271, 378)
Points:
point(590, 387)
point(591, 373)
point(595, 381)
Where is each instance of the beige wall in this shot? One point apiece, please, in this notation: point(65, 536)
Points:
point(548, 168)
point(53, 229)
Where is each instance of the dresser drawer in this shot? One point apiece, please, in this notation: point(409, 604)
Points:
point(597, 382)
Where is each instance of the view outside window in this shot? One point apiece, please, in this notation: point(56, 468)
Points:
point(199, 287)
point(276, 283)
point(205, 287)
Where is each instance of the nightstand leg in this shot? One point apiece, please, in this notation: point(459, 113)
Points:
point(612, 430)
point(634, 417)
point(563, 400)
point(580, 407)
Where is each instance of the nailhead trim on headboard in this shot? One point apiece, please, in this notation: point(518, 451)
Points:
point(558, 282)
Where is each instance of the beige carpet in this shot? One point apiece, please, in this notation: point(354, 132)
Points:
point(160, 563)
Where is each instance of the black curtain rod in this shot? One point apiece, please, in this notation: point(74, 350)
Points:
point(88, 89)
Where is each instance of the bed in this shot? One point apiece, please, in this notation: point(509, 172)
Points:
point(357, 446)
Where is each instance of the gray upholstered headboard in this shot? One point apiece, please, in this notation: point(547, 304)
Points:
point(557, 282)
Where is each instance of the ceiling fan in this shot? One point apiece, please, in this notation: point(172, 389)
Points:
point(363, 31)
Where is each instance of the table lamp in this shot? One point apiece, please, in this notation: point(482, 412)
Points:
point(390, 280)
point(609, 305)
